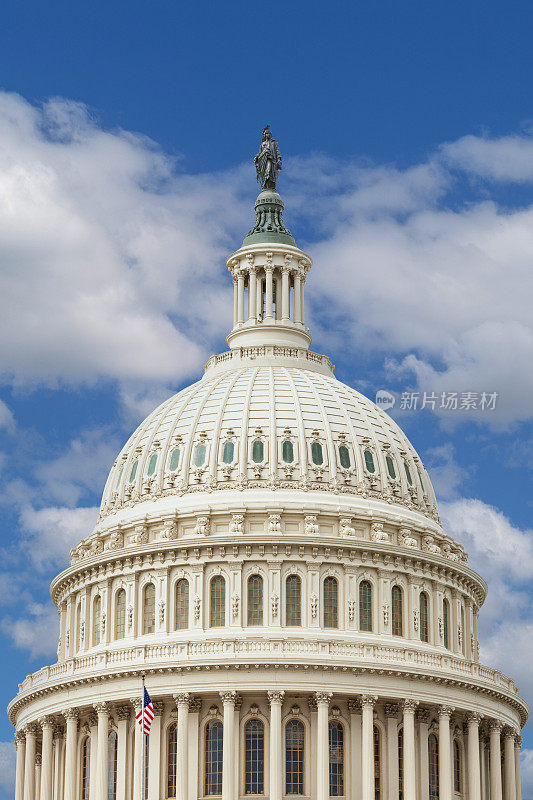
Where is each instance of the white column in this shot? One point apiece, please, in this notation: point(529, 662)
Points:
point(268, 299)
point(302, 301)
point(285, 295)
point(154, 754)
point(322, 761)
point(122, 715)
point(29, 762)
point(93, 754)
point(20, 744)
point(102, 709)
point(195, 706)
point(445, 762)
point(409, 758)
point(509, 764)
point(391, 713)
point(297, 298)
point(517, 746)
point(228, 755)
point(252, 293)
point(367, 747)
point(240, 298)
point(495, 761)
point(138, 768)
point(71, 743)
point(354, 707)
point(38, 770)
point(275, 699)
point(482, 775)
point(474, 766)
point(47, 751)
point(235, 302)
point(423, 716)
point(182, 761)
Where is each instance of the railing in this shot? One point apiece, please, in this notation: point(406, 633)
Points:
point(360, 653)
point(243, 353)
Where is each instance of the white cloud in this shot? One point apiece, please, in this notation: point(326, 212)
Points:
point(54, 531)
point(8, 759)
point(37, 632)
point(508, 158)
point(7, 419)
point(526, 773)
point(447, 476)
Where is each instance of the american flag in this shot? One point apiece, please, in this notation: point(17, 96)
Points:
point(146, 715)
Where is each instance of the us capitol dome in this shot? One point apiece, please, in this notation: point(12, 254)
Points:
point(270, 556)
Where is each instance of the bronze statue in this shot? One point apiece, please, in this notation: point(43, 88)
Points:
point(268, 161)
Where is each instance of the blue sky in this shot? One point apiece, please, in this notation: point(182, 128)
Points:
point(126, 132)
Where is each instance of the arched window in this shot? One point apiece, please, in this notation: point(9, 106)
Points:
point(255, 600)
point(254, 757)
point(446, 623)
point(400, 764)
point(199, 455)
point(287, 451)
point(182, 604)
point(433, 763)
point(365, 606)
point(294, 757)
point(133, 472)
point(457, 773)
point(85, 768)
point(397, 611)
point(112, 755)
point(149, 608)
point(377, 763)
point(175, 459)
point(344, 456)
point(331, 602)
point(120, 614)
point(316, 454)
point(462, 630)
point(228, 452)
point(217, 602)
point(258, 451)
point(424, 624)
point(97, 619)
point(293, 601)
point(407, 473)
point(336, 758)
point(151, 464)
point(213, 757)
point(390, 467)
point(172, 746)
point(369, 461)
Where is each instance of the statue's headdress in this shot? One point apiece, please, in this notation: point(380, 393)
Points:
point(265, 129)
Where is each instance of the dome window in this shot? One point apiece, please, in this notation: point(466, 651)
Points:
point(287, 451)
point(228, 453)
point(369, 461)
point(151, 464)
point(390, 467)
point(133, 472)
point(199, 455)
point(316, 454)
point(344, 456)
point(258, 451)
point(117, 483)
point(408, 473)
point(175, 459)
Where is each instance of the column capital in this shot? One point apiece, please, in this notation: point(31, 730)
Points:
point(136, 703)
point(122, 712)
point(20, 738)
point(354, 705)
point(473, 718)
point(71, 713)
point(195, 704)
point(269, 268)
point(47, 722)
point(102, 709)
point(275, 696)
point(392, 709)
point(323, 698)
point(182, 699)
point(518, 740)
point(409, 705)
point(369, 700)
point(423, 715)
point(59, 732)
point(31, 729)
point(495, 725)
point(92, 720)
point(445, 711)
point(159, 707)
point(228, 698)
point(509, 732)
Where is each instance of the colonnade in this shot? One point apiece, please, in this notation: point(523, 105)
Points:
point(278, 282)
point(48, 751)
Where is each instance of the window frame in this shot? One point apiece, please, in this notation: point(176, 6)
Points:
point(260, 602)
point(259, 776)
point(423, 602)
point(302, 752)
point(331, 776)
point(366, 582)
point(120, 592)
point(221, 611)
point(330, 580)
point(287, 604)
point(182, 581)
point(210, 725)
point(397, 610)
point(149, 585)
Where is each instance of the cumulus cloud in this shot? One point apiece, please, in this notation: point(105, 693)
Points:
point(52, 532)
point(8, 757)
point(508, 158)
point(37, 632)
point(7, 419)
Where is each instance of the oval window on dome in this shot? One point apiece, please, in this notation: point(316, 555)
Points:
point(258, 451)
point(421, 481)
point(117, 484)
point(287, 451)
point(344, 456)
point(407, 473)
point(316, 453)
point(175, 459)
point(369, 461)
point(152, 463)
point(133, 472)
point(390, 467)
point(228, 452)
point(199, 455)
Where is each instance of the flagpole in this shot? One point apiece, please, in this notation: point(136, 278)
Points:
point(143, 742)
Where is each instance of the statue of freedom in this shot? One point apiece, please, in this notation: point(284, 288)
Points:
point(268, 161)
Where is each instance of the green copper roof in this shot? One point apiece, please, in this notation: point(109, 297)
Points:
point(269, 225)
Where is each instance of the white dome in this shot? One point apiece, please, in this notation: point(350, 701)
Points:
point(203, 438)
